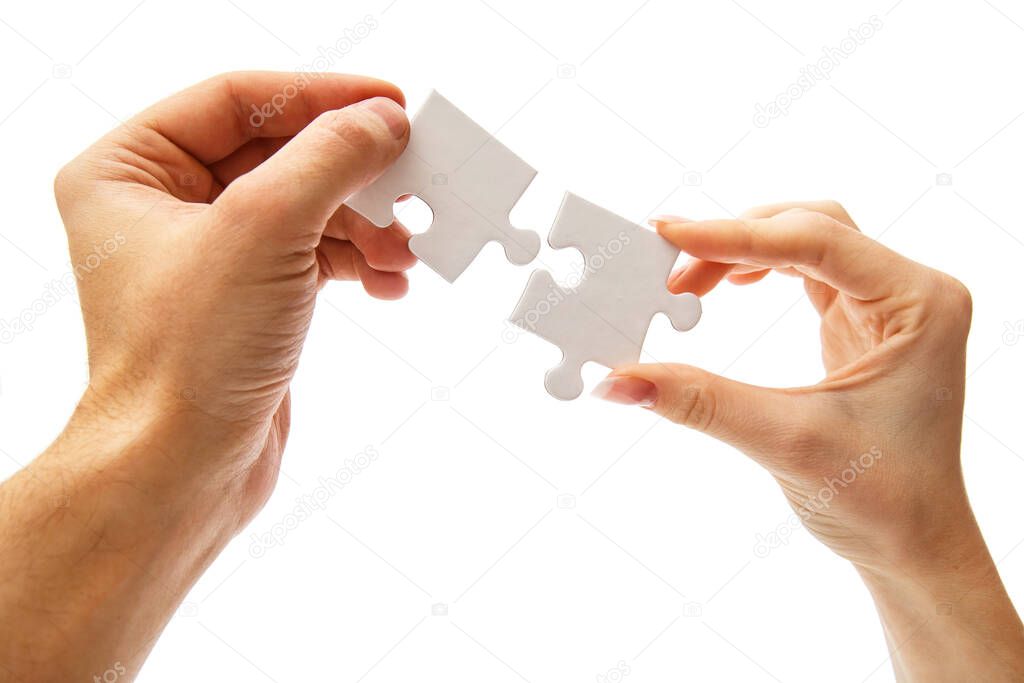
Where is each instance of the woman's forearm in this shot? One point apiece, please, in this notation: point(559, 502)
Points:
point(946, 613)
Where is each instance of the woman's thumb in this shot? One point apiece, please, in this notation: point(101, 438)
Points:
point(742, 415)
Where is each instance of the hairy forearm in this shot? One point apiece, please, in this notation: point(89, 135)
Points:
point(946, 613)
point(96, 556)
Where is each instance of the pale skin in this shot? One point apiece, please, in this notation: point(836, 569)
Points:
point(196, 323)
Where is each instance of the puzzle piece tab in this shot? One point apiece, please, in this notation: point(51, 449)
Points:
point(606, 317)
point(469, 180)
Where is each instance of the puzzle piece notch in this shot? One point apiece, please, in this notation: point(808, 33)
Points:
point(606, 317)
point(469, 180)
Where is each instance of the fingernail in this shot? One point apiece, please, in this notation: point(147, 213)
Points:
point(666, 218)
point(390, 112)
point(630, 391)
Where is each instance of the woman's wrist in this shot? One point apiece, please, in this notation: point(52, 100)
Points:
point(945, 611)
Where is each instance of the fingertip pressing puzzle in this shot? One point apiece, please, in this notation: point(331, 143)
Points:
point(471, 182)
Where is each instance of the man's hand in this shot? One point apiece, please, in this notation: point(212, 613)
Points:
point(868, 458)
point(200, 232)
point(221, 233)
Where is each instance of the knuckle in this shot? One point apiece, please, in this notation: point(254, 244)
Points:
point(807, 235)
point(818, 222)
point(822, 230)
point(760, 211)
point(954, 298)
point(66, 184)
point(693, 406)
point(960, 295)
point(835, 209)
point(222, 78)
point(349, 130)
point(374, 258)
point(62, 182)
point(326, 267)
point(377, 256)
point(222, 81)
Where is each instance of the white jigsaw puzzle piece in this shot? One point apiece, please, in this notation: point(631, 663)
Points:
point(469, 180)
point(606, 317)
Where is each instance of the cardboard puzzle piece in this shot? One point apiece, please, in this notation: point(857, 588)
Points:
point(469, 180)
point(606, 317)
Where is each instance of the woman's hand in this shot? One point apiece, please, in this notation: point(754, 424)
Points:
point(200, 232)
point(869, 458)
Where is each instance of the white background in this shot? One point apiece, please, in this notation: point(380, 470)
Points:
point(655, 564)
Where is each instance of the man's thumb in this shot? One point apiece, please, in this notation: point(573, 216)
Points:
point(743, 415)
point(306, 181)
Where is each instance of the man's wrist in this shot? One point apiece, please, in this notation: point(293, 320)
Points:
point(182, 421)
point(102, 519)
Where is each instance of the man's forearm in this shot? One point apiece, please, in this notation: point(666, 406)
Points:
point(95, 560)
